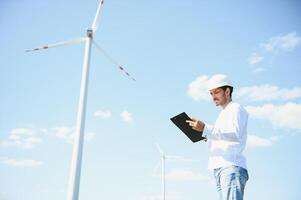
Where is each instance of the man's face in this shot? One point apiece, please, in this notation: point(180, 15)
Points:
point(219, 96)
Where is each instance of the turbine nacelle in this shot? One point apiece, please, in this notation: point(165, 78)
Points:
point(90, 33)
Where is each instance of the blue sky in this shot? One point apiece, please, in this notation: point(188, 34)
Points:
point(171, 48)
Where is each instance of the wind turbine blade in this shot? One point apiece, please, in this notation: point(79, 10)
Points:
point(159, 149)
point(175, 157)
point(156, 168)
point(120, 67)
point(96, 18)
point(58, 44)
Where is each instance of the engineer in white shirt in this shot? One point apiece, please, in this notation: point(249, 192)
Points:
point(226, 140)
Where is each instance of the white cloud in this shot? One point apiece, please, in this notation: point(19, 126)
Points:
point(198, 89)
point(258, 70)
point(256, 141)
point(64, 133)
point(185, 175)
point(22, 131)
point(285, 116)
point(24, 138)
point(103, 114)
point(286, 42)
point(255, 58)
point(126, 117)
point(29, 138)
point(268, 92)
point(22, 163)
point(33, 140)
point(68, 133)
point(275, 44)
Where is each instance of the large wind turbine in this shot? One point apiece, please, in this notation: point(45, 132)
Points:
point(74, 179)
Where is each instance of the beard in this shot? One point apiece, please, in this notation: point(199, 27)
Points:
point(217, 102)
point(220, 101)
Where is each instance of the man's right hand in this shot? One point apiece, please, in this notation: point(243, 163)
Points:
point(196, 124)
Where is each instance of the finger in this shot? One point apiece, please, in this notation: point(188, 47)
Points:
point(192, 124)
point(194, 119)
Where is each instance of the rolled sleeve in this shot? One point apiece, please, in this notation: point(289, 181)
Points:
point(207, 132)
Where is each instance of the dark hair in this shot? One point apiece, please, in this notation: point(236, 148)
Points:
point(228, 86)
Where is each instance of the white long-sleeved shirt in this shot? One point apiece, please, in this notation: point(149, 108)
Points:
point(227, 138)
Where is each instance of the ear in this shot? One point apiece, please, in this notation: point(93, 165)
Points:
point(228, 91)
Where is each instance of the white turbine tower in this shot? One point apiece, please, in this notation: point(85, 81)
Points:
point(163, 157)
point(74, 179)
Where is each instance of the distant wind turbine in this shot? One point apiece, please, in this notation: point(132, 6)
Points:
point(74, 179)
point(163, 157)
point(163, 174)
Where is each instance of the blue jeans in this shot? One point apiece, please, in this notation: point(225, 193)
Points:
point(230, 182)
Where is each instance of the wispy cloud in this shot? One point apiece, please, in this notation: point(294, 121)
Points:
point(259, 70)
point(286, 42)
point(285, 116)
point(67, 134)
point(126, 117)
point(276, 44)
point(185, 175)
point(64, 133)
point(29, 138)
point(22, 163)
point(24, 138)
point(268, 92)
point(255, 58)
point(256, 141)
point(171, 158)
point(103, 114)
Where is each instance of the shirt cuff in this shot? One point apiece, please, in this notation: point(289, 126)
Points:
point(207, 130)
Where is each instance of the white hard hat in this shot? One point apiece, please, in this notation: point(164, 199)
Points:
point(218, 80)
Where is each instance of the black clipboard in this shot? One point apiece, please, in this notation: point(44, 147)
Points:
point(180, 121)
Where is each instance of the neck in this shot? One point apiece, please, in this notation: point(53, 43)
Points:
point(226, 103)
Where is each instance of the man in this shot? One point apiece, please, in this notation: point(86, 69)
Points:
point(226, 140)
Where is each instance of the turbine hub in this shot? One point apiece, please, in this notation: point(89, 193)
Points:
point(90, 33)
